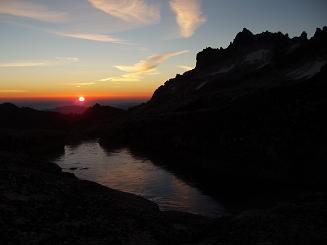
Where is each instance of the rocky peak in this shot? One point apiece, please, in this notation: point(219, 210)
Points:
point(304, 36)
point(244, 37)
point(247, 42)
point(321, 34)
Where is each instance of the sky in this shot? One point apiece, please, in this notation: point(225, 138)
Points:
point(127, 48)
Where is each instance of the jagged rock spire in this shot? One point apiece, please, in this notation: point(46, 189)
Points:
point(244, 37)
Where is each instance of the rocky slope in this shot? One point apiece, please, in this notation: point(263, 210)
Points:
point(250, 63)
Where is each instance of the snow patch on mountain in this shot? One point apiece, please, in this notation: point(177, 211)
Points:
point(223, 70)
point(260, 55)
point(307, 71)
point(201, 85)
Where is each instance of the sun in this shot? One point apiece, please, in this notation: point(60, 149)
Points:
point(81, 99)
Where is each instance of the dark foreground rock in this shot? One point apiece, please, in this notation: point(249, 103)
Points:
point(300, 222)
point(41, 205)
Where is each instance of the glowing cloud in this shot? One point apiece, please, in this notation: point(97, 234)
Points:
point(30, 10)
point(186, 68)
point(94, 37)
point(149, 63)
point(68, 59)
point(57, 61)
point(123, 78)
point(79, 85)
point(133, 11)
point(14, 91)
point(21, 64)
point(188, 15)
point(135, 73)
point(130, 77)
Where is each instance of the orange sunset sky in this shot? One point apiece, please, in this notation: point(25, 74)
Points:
point(127, 48)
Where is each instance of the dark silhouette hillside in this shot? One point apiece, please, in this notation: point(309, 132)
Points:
point(26, 129)
point(26, 118)
point(73, 109)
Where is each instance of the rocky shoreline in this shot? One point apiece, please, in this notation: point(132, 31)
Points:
point(42, 205)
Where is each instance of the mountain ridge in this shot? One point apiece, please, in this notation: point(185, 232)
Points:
point(247, 61)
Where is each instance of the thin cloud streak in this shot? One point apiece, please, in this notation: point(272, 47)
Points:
point(186, 68)
point(132, 11)
point(85, 84)
point(9, 91)
point(68, 59)
point(30, 10)
point(188, 15)
point(149, 63)
point(21, 64)
point(131, 77)
point(85, 36)
point(25, 64)
point(94, 37)
point(123, 78)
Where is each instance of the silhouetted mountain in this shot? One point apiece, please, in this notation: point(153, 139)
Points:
point(95, 120)
point(72, 109)
point(249, 64)
point(25, 129)
point(102, 113)
point(26, 118)
point(252, 113)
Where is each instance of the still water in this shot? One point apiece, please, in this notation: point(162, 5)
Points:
point(123, 171)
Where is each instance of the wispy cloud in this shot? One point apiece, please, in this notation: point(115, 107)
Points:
point(94, 37)
point(98, 37)
point(130, 77)
point(9, 91)
point(133, 11)
point(21, 64)
point(31, 10)
point(186, 68)
point(146, 67)
point(85, 84)
point(188, 15)
point(67, 59)
point(123, 78)
point(149, 63)
point(26, 64)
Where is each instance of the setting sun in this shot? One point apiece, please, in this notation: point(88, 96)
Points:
point(81, 99)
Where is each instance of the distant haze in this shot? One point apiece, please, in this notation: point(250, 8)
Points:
point(54, 103)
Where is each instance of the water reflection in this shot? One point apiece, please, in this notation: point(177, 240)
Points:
point(123, 171)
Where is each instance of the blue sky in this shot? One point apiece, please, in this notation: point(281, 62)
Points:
point(127, 47)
